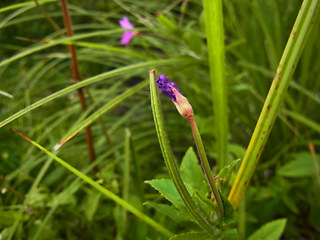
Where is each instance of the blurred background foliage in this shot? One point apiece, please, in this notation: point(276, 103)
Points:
point(286, 183)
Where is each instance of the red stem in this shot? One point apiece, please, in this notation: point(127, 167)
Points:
point(76, 74)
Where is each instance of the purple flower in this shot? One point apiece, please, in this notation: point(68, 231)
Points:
point(171, 90)
point(164, 84)
point(127, 36)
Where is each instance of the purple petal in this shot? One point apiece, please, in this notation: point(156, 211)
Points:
point(125, 23)
point(126, 37)
point(163, 83)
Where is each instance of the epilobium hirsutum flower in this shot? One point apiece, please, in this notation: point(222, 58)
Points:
point(171, 90)
point(127, 36)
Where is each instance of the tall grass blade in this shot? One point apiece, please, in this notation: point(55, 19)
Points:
point(89, 81)
point(216, 54)
point(271, 107)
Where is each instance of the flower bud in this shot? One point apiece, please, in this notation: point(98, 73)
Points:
point(171, 90)
point(183, 106)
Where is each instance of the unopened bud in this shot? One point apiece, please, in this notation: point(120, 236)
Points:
point(183, 106)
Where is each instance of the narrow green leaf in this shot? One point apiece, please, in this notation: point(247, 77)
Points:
point(292, 52)
point(104, 191)
point(300, 166)
point(19, 5)
point(270, 231)
point(216, 54)
point(89, 81)
point(302, 119)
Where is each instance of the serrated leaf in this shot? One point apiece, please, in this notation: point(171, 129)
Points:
point(191, 236)
point(167, 189)
point(301, 166)
point(170, 211)
point(269, 231)
point(192, 174)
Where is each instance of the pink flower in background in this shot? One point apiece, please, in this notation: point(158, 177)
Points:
point(127, 36)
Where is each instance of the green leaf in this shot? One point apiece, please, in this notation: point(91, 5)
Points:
point(170, 211)
point(87, 82)
point(103, 190)
point(230, 234)
point(191, 236)
point(194, 41)
point(167, 189)
point(90, 205)
point(269, 231)
point(7, 218)
point(206, 205)
point(272, 105)
point(216, 57)
point(192, 174)
point(225, 174)
point(301, 166)
point(230, 212)
point(167, 23)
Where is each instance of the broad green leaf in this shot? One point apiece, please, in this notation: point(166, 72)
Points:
point(300, 166)
point(192, 174)
point(168, 190)
point(191, 236)
point(269, 231)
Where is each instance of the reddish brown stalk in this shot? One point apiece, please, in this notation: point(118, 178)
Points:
point(76, 74)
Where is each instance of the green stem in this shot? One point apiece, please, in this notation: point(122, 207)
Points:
point(206, 167)
point(271, 107)
point(216, 54)
point(169, 159)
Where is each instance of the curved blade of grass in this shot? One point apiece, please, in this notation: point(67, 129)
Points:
point(91, 80)
point(103, 190)
point(87, 121)
point(19, 5)
point(271, 107)
point(215, 44)
point(51, 43)
point(302, 119)
point(169, 159)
